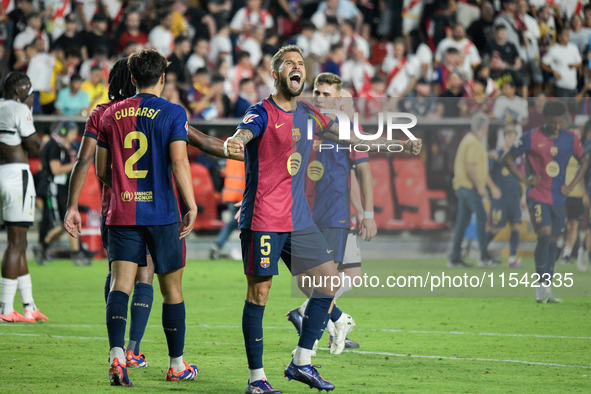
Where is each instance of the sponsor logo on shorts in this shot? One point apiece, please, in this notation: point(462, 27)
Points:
point(265, 262)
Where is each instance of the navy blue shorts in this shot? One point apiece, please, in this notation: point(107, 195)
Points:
point(300, 250)
point(128, 243)
point(336, 238)
point(574, 208)
point(105, 235)
point(543, 215)
point(503, 210)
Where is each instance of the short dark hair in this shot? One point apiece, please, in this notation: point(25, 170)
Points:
point(499, 27)
point(146, 67)
point(378, 79)
point(244, 81)
point(201, 70)
point(120, 86)
point(452, 51)
point(74, 52)
point(217, 78)
point(332, 20)
point(554, 108)
point(481, 80)
point(12, 81)
point(308, 25)
point(180, 39)
point(76, 77)
point(96, 68)
point(351, 23)
point(241, 55)
point(33, 14)
point(101, 50)
point(335, 47)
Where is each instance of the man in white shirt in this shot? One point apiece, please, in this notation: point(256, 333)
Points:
point(401, 71)
point(312, 41)
point(221, 45)
point(32, 31)
point(352, 39)
point(357, 71)
point(563, 60)
point(161, 37)
point(510, 108)
point(341, 9)
point(249, 16)
point(197, 58)
point(465, 46)
point(253, 44)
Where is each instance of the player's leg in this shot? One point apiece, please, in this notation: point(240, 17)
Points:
point(260, 257)
point(574, 211)
point(583, 258)
point(514, 217)
point(475, 204)
point(11, 269)
point(226, 231)
point(168, 257)
point(25, 289)
point(497, 219)
point(462, 221)
point(542, 224)
point(141, 305)
point(558, 213)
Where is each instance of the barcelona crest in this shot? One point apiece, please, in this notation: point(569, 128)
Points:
point(317, 143)
point(295, 134)
point(554, 150)
point(265, 262)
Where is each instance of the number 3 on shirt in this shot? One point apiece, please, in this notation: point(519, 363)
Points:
point(143, 148)
point(265, 245)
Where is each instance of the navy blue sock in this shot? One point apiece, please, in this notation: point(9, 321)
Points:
point(323, 327)
point(173, 322)
point(513, 242)
point(141, 305)
point(542, 254)
point(551, 261)
point(489, 237)
point(252, 329)
point(336, 313)
point(117, 318)
point(107, 286)
point(315, 317)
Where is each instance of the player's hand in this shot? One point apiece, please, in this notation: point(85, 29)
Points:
point(496, 193)
point(413, 147)
point(523, 202)
point(232, 147)
point(368, 229)
point(188, 223)
point(237, 215)
point(482, 191)
point(533, 180)
point(565, 190)
point(556, 74)
point(73, 222)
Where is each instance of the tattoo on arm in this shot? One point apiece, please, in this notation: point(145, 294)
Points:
point(245, 135)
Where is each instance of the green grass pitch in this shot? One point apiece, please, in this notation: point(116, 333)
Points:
point(408, 345)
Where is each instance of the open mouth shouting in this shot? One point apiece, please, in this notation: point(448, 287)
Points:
point(295, 80)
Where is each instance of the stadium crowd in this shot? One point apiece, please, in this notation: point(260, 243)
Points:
point(220, 51)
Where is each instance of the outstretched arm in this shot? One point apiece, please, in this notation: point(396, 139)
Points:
point(73, 221)
point(208, 144)
point(234, 145)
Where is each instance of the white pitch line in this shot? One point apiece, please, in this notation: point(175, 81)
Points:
point(347, 351)
point(490, 334)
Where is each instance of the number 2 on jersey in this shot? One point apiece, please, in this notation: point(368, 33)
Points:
point(143, 148)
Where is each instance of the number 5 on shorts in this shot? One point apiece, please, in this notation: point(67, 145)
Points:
point(265, 245)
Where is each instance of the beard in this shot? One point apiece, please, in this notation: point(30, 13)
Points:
point(287, 90)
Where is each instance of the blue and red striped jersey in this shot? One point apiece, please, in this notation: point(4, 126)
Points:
point(275, 166)
point(328, 183)
point(548, 158)
point(138, 131)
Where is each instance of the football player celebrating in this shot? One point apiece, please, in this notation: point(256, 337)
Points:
point(548, 150)
point(276, 220)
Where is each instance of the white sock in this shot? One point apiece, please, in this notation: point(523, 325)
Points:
point(302, 308)
point(25, 289)
point(7, 292)
point(177, 364)
point(256, 374)
point(346, 285)
point(117, 352)
point(567, 251)
point(302, 356)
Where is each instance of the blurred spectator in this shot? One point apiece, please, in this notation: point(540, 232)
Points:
point(288, 17)
point(536, 118)
point(448, 66)
point(477, 100)
point(100, 60)
point(4, 69)
point(264, 80)
point(481, 30)
point(132, 32)
point(334, 59)
point(547, 29)
point(178, 58)
point(357, 71)
point(97, 37)
point(449, 100)
point(504, 58)
point(579, 34)
point(32, 31)
point(373, 98)
point(440, 22)
point(171, 93)
point(531, 35)
point(221, 46)
point(70, 38)
point(422, 53)
point(198, 95)
point(17, 19)
point(515, 26)
point(251, 15)
point(341, 9)
point(72, 101)
point(312, 42)
point(179, 22)
point(43, 72)
point(420, 101)
point(161, 37)
point(587, 15)
point(464, 46)
point(401, 71)
point(220, 11)
point(243, 69)
point(563, 60)
point(510, 108)
point(202, 23)
point(55, 14)
point(247, 97)
point(222, 68)
point(197, 58)
point(87, 9)
point(351, 39)
point(207, 101)
point(271, 44)
point(253, 44)
point(96, 88)
point(22, 62)
point(492, 89)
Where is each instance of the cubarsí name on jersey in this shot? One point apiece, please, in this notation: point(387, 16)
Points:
point(132, 111)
